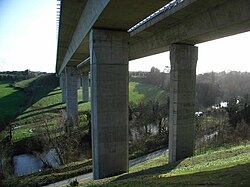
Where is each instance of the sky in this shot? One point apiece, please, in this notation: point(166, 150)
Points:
point(28, 35)
point(28, 40)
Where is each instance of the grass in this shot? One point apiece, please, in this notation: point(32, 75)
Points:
point(220, 167)
point(141, 92)
point(47, 102)
point(11, 101)
point(225, 166)
point(48, 106)
point(25, 83)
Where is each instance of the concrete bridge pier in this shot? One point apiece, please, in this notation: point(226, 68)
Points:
point(63, 86)
point(71, 95)
point(79, 81)
point(85, 86)
point(183, 60)
point(109, 102)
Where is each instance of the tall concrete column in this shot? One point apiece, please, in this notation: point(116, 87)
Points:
point(79, 81)
point(63, 86)
point(109, 102)
point(71, 96)
point(182, 100)
point(85, 87)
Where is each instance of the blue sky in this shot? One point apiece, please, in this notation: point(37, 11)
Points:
point(28, 41)
point(28, 35)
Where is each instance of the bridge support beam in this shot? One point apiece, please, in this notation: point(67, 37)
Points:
point(109, 102)
point(63, 86)
point(79, 81)
point(85, 87)
point(183, 60)
point(71, 95)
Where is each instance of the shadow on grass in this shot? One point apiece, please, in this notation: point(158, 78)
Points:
point(37, 89)
point(55, 110)
point(44, 85)
point(232, 176)
point(151, 171)
point(10, 106)
point(151, 92)
point(57, 92)
point(44, 108)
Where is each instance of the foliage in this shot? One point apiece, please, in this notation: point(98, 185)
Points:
point(238, 112)
point(214, 129)
point(224, 86)
point(154, 77)
point(208, 94)
point(17, 75)
point(148, 127)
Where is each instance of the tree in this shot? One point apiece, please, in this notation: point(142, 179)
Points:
point(208, 93)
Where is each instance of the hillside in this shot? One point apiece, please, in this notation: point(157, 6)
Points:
point(223, 166)
point(11, 101)
point(143, 92)
point(44, 101)
point(220, 167)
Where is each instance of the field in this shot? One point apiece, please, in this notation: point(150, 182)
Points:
point(11, 101)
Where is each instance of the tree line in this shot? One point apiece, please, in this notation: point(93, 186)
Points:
point(18, 75)
point(211, 88)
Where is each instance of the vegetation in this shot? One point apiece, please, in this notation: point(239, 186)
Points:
point(50, 175)
point(212, 88)
point(46, 101)
point(148, 127)
point(144, 92)
point(45, 107)
point(41, 123)
point(18, 75)
point(11, 102)
point(225, 166)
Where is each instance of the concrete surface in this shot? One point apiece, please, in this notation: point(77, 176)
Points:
point(85, 86)
point(183, 59)
point(63, 86)
point(71, 96)
point(109, 102)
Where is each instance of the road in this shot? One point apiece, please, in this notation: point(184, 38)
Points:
point(89, 176)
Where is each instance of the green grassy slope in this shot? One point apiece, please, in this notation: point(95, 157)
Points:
point(11, 101)
point(47, 103)
point(140, 92)
point(222, 167)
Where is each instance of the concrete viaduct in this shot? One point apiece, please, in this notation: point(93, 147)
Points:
point(101, 36)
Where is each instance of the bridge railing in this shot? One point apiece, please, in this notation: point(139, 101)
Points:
point(167, 7)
